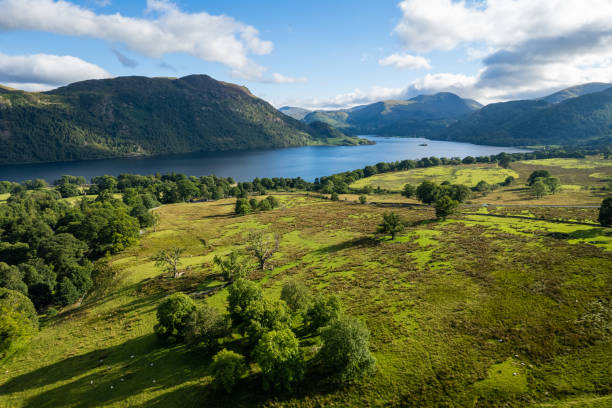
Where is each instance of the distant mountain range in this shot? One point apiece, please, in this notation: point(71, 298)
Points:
point(580, 115)
point(146, 116)
point(417, 116)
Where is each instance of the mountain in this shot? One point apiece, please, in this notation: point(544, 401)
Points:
point(295, 113)
point(414, 117)
point(576, 91)
point(129, 116)
point(583, 120)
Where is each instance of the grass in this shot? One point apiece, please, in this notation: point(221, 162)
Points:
point(4, 197)
point(450, 305)
point(570, 163)
point(469, 175)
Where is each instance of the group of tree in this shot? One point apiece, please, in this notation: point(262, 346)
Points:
point(541, 183)
point(245, 206)
point(48, 246)
point(268, 330)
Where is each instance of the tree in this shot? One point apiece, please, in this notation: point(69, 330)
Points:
point(345, 351)
point(297, 296)
point(427, 192)
point(241, 293)
point(173, 316)
point(408, 191)
point(539, 189)
point(605, 212)
point(262, 246)
point(334, 196)
point(18, 321)
point(227, 368)
point(274, 203)
point(67, 293)
point(363, 199)
point(468, 160)
point(445, 206)
point(391, 224)
point(264, 315)
point(536, 175)
point(205, 325)
point(482, 186)
point(281, 361)
point(242, 206)
point(552, 183)
point(12, 278)
point(169, 260)
point(323, 309)
point(504, 161)
point(264, 205)
point(232, 266)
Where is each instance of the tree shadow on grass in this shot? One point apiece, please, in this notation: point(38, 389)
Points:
point(112, 375)
point(362, 242)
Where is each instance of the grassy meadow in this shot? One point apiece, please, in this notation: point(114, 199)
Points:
point(498, 306)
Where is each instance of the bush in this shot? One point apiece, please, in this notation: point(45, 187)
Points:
point(408, 191)
point(206, 325)
point(232, 266)
point(391, 224)
point(274, 203)
point(334, 196)
point(241, 293)
point(67, 293)
point(345, 351)
point(265, 315)
point(605, 212)
point(227, 368)
point(173, 316)
point(264, 205)
point(18, 321)
point(297, 296)
point(482, 187)
point(324, 309)
point(536, 175)
point(427, 192)
point(363, 199)
point(281, 361)
point(242, 206)
point(445, 206)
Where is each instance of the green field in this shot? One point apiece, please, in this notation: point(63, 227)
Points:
point(4, 197)
point(469, 175)
point(493, 307)
point(570, 163)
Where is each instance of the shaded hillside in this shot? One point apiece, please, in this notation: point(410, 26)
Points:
point(295, 113)
point(143, 116)
point(584, 120)
point(414, 117)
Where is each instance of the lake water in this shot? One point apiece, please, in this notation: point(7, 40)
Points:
point(307, 162)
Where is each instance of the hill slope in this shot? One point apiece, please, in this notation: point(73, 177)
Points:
point(294, 112)
point(576, 91)
point(414, 117)
point(582, 120)
point(143, 116)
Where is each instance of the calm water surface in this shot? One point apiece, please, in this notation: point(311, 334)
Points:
point(307, 162)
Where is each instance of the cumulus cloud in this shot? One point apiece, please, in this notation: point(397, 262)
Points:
point(403, 61)
point(42, 71)
point(166, 29)
point(282, 79)
point(349, 99)
point(527, 47)
point(125, 60)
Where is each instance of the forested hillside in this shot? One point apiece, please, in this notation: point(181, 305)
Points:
point(144, 116)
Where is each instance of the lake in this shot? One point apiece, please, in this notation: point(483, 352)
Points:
point(307, 162)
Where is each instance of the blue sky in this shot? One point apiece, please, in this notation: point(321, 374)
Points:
point(316, 53)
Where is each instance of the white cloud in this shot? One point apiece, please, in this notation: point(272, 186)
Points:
point(42, 71)
point(282, 79)
point(166, 30)
point(402, 61)
point(345, 100)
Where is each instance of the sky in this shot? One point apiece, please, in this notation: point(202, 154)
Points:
point(314, 54)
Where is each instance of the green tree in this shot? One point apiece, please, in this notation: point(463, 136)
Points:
point(553, 184)
point(482, 187)
point(67, 293)
point(232, 266)
point(242, 206)
point(445, 206)
point(169, 260)
point(264, 315)
point(173, 316)
point(262, 246)
point(409, 190)
point(605, 212)
point(264, 205)
point(227, 368)
point(536, 175)
point(391, 224)
point(345, 351)
point(427, 192)
point(274, 203)
point(281, 361)
point(18, 321)
point(241, 293)
point(205, 325)
point(539, 189)
point(297, 296)
point(323, 309)
point(334, 196)
point(505, 161)
point(12, 278)
point(363, 199)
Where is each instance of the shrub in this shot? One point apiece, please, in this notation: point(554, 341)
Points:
point(408, 191)
point(274, 203)
point(232, 266)
point(323, 309)
point(334, 196)
point(242, 206)
point(391, 224)
point(427, 192)
point(281, 361)
point(241, 293)
point(345, 351)
point(67, 293)
point(445, 206)
point(227, 368)
point(18, 321)
point(363, 199)
point(265, 315)
point(173, 316)
point(297, 296)
point(482, 187)
point(264, 205)
point(536, 175)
